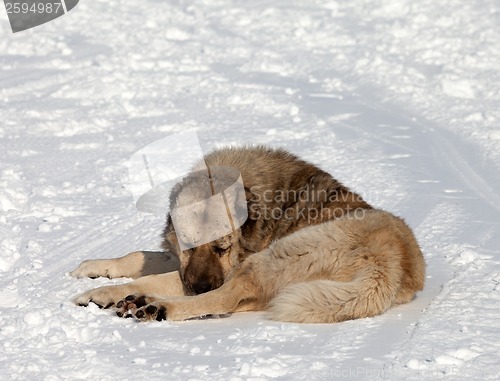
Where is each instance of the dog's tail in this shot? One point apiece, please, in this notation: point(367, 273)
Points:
point(328, 301)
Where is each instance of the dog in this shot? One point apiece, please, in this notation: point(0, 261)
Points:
point(309, 250)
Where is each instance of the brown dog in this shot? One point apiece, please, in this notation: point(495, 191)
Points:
point(310, 250)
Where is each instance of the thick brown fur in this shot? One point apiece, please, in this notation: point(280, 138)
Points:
point(310, 251)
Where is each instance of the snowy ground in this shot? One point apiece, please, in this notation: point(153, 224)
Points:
point(398, 99)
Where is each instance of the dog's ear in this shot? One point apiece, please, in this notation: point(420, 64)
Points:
point(170, 242)
point(248, 194)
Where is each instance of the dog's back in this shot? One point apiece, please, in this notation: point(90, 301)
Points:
point(284, 193)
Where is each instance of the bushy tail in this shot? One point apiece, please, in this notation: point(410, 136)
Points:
point(328, 301)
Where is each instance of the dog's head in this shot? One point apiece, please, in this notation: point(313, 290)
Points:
point(202, 228)
point(206, 267)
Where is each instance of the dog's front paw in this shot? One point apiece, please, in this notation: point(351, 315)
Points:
point(104, 297)
point(94, 268)
point(141, 307)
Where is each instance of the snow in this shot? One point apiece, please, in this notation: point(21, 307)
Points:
point(397, 99)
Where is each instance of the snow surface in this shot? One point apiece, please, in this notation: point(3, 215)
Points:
point(398, 99)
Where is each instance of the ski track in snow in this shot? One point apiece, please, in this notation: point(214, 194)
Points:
point(399, 100)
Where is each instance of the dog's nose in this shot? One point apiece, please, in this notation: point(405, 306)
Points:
point(201, 287)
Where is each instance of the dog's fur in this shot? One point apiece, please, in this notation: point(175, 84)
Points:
point(310, 251)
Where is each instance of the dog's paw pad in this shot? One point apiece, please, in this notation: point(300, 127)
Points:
point(140, 314)
point(133, 304)
point(122, 314)
point(162, 314)
point(136, 300)
point(151, 309)
point(151, 312)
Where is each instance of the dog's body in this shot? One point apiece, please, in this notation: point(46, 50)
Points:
point(310, 251)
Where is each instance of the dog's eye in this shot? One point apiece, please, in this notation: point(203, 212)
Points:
point(220, 251)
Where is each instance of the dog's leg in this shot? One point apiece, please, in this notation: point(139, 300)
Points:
point(133, 265)
point(252, 286)
point(160, 285)
point(239, 293)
